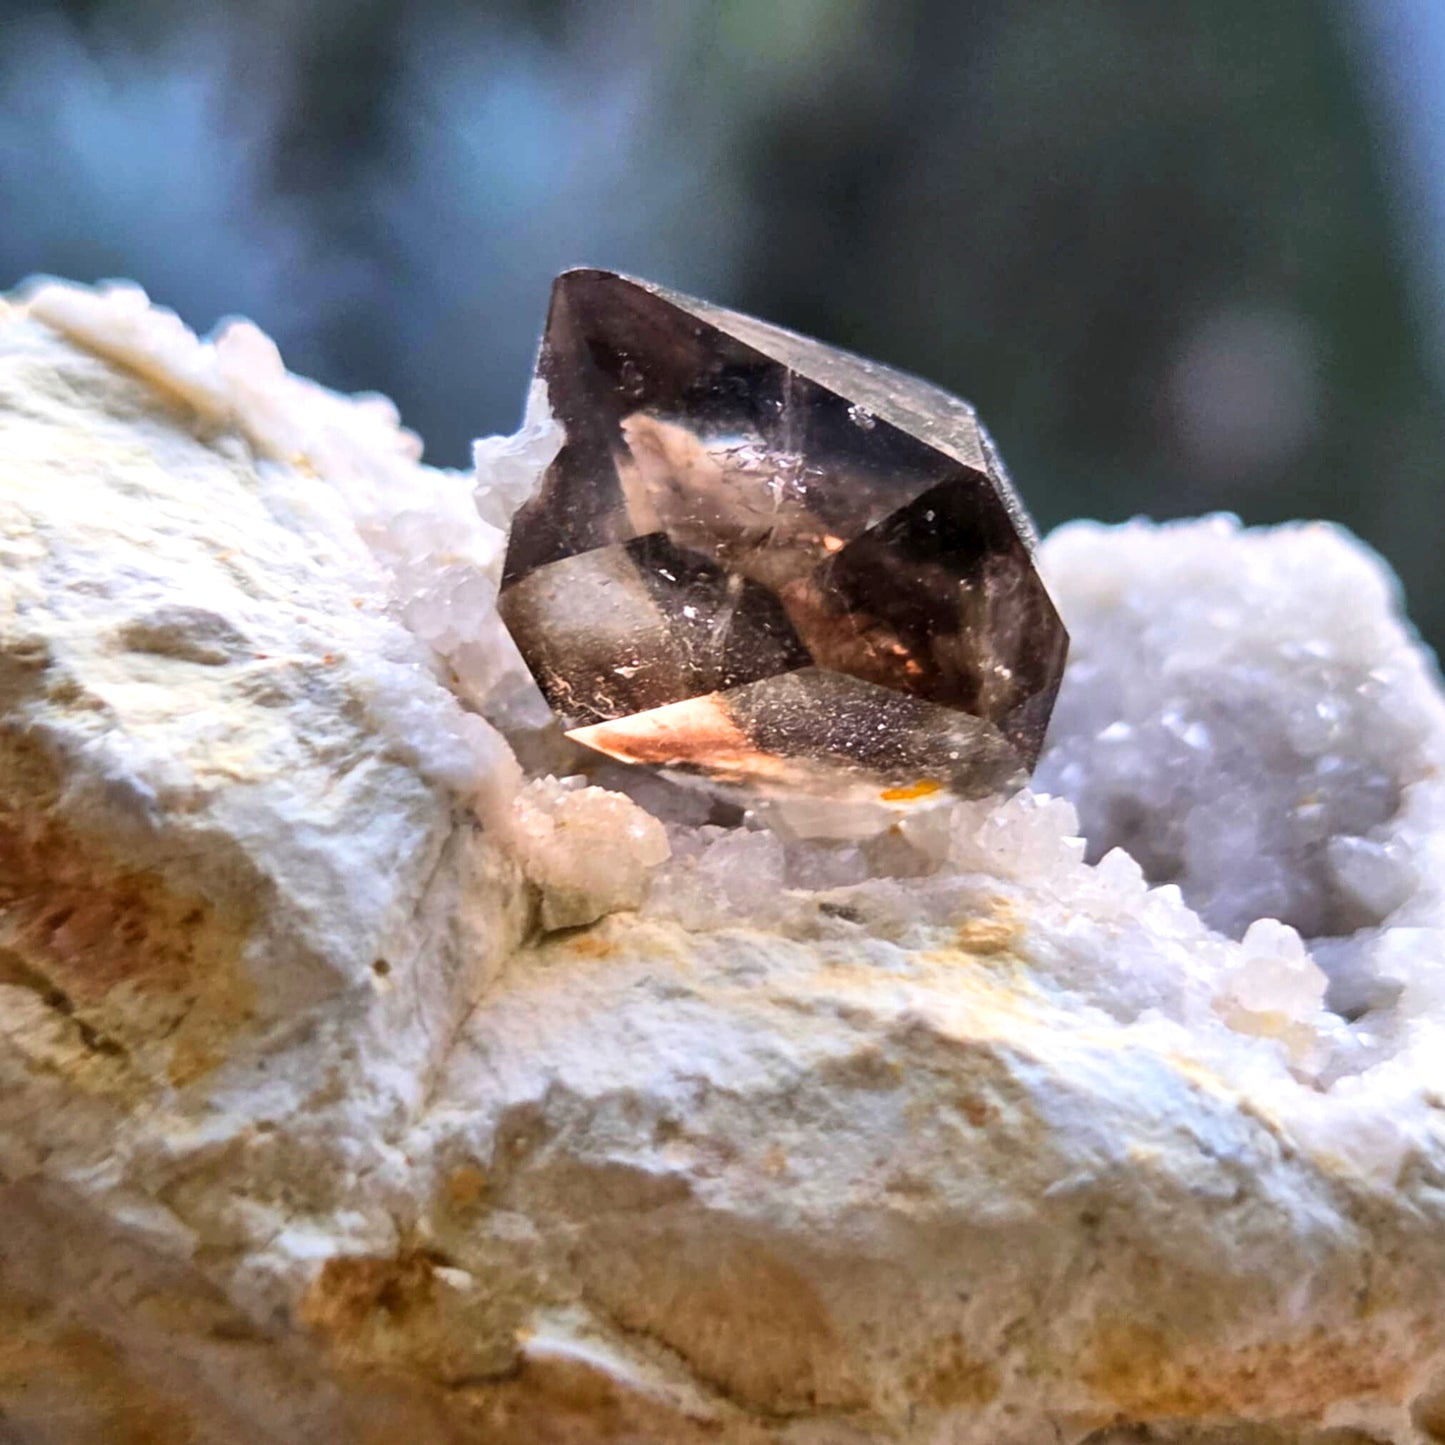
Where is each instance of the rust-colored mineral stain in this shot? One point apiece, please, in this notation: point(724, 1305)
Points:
point(1153, 1373)
point(351, 1291)
point(591, 943)
point(124, 950)
point(950, 1377)
point(465, 1186)
point(746, 1322)
point(71, 1383)
point(994, 932)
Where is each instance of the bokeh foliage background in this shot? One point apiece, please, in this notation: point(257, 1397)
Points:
point(1180, 255)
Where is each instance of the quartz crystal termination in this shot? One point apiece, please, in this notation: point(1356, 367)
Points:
point(768, 561)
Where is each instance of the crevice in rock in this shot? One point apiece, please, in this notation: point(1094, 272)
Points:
point(15, 971)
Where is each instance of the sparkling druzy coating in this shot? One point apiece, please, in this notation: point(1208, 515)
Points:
point(770, 561)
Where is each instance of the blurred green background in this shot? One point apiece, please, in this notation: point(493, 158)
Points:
point(1183, 256)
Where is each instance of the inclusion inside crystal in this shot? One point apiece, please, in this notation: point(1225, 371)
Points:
point(769, 561)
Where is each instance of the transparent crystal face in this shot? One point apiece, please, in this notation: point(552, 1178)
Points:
point(766, 560)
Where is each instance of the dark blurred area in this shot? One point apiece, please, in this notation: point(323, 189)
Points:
point(1183, 257)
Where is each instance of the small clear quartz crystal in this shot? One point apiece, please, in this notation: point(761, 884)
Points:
point(768, 561)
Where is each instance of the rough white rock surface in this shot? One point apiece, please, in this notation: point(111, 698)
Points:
point(958, 1131)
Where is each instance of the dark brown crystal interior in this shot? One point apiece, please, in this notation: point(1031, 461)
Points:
point(766, 560)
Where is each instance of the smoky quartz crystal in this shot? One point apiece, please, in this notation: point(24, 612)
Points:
point(766, 560)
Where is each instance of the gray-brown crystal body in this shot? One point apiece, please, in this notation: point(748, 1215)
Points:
point(763, 559)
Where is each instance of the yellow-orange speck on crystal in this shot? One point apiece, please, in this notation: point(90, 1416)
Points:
point(923, 788)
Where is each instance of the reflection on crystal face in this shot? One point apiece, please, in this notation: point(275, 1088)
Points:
point(813, 730)
point(767, 560)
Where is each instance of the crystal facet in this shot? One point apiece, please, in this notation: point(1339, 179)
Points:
point(766, 560)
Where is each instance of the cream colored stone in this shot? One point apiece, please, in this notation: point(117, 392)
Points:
point(305, 1134)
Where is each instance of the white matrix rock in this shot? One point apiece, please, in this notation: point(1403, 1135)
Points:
point(357, 1086)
